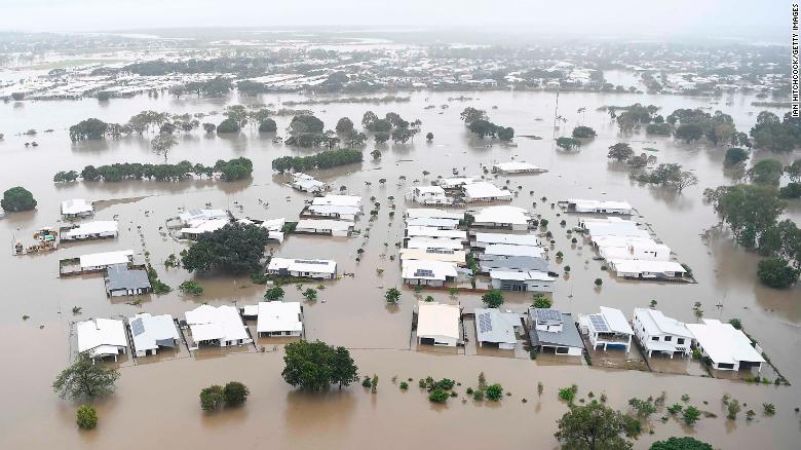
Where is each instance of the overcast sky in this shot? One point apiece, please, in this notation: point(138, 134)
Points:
point(618, 17)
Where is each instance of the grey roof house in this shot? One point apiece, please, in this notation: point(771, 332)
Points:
point(553, 329)
point(122, 280)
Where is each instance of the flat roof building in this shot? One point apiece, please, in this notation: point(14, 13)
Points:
point(438, 324)
point(280, 319)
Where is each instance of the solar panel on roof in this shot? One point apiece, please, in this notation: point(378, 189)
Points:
point(484, 323)
point(137, 327)
point(599, 323)
point(549, 315)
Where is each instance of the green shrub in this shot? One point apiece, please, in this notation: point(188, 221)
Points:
point(86, 417)
point(494, 392)
point(235, 393)
point(438, 396)
point(211, 398)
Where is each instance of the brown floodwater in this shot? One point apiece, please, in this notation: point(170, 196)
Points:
point(156, 400)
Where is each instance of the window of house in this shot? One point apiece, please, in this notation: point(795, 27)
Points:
point(680, 340)
point(668, 338)
point(655, 338)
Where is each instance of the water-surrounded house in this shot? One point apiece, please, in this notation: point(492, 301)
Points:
point(578, 205)
point(438, 324)
point(608, 329)
point(521, 281)
point(101, 229)
point(660, 333)
point(221, 326)
point(551, 329)
point(76, 208)
point(483, 191)
point(122, 280)
point(515, 167)
point(152, 333)
point(726, 347)
point(427, 272)
point(322, 269)
point(502, 218)
point(100, 338)
point(496, 328)
point(280, 319)
point(428, 195)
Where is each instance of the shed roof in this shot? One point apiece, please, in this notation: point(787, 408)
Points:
point(438, 319)
point(279, 316)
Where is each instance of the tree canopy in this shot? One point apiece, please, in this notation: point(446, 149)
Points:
point(592, 427)
point(583, 132)
point(17, 199)
point(778, 135)
point(620, 151)
point(322, 160)
point(680, 443)
point(85, 380)
point(236, 248)
point(777, 273)
point(314, 366)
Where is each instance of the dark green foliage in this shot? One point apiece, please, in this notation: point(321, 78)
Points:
point(89, 129)
point(236, 248)
point(392, 295)
point(767, 172)
point(592, 427)
point(65, 176)
point(620, 151)
point(568, 143)
point(493, 298)
point(344, 126)
point(274, 293)
point(691, 415)
point(659, 129)
point(322, 160)
point(748, 210)
point(791, 191)
point(268, 126)
point(438, 396)
point(235, 393)
point(17, 199)
point(494, 392)
point(734, 156)
point(541, 301)
point(191, 288)
point(232, 170)
point(631, 426)
point(314, 366)
point(777, 273)
point(228, 126)
point(778, 135)
point(86, 417)
point(211, 398)
point(736, 323)
point(680, 443)
point(251, 87)
point(85, 380)
point(583, 132)
point(644, 408)
point(695, 124)
point(477, 122)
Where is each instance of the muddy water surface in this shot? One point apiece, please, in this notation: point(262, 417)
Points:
point(161, 397)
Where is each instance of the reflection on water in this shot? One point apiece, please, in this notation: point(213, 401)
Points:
point(160, 394)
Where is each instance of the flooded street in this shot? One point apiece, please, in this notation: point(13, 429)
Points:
point(158, 400)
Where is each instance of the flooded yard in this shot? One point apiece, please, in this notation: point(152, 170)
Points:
point(159, 394)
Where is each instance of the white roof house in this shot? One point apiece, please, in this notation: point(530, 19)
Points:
point(514, 250)
point(339, 228)
point(280, 319)
point(303, 268)
point(598, 206)
point(513, 167)
point(436, 233)
point(727, 347)
point(201, 215)
point(608, 328)
point(97, 261)
point(496, 327)
point(152, 332)
point(521, 280)
point(483, 191)
point(430, 213)
point(425, 243)
point(427, 272)
point(428, 195)
point(438, 324)
point(344, 212)
point(483, 240)
point(338, 200)
point(614, 226)
point(220, 325)
point(662, 334)
point(101, 337)
point(644, 269)
point(452, 256)
point(507, 217)
point(306, 183)
point(456, 182)
point(91, 230)
point(443, 224)
point(76, 207)
point(196, 227)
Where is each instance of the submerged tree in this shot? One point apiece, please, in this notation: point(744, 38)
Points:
point(17, 199)
point(592, 427)
point(235, 248)
point(314, 366)
point(85, 380)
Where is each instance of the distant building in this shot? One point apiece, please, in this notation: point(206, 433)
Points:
point(306, 183)
point(598, 206)
point(76, 208)
point(322, 269)
point(516, 167)
point(336, 228)
point(429, 195)
point(89, 230)
point(502, 218)
point(100, 261)
point(484, 192)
